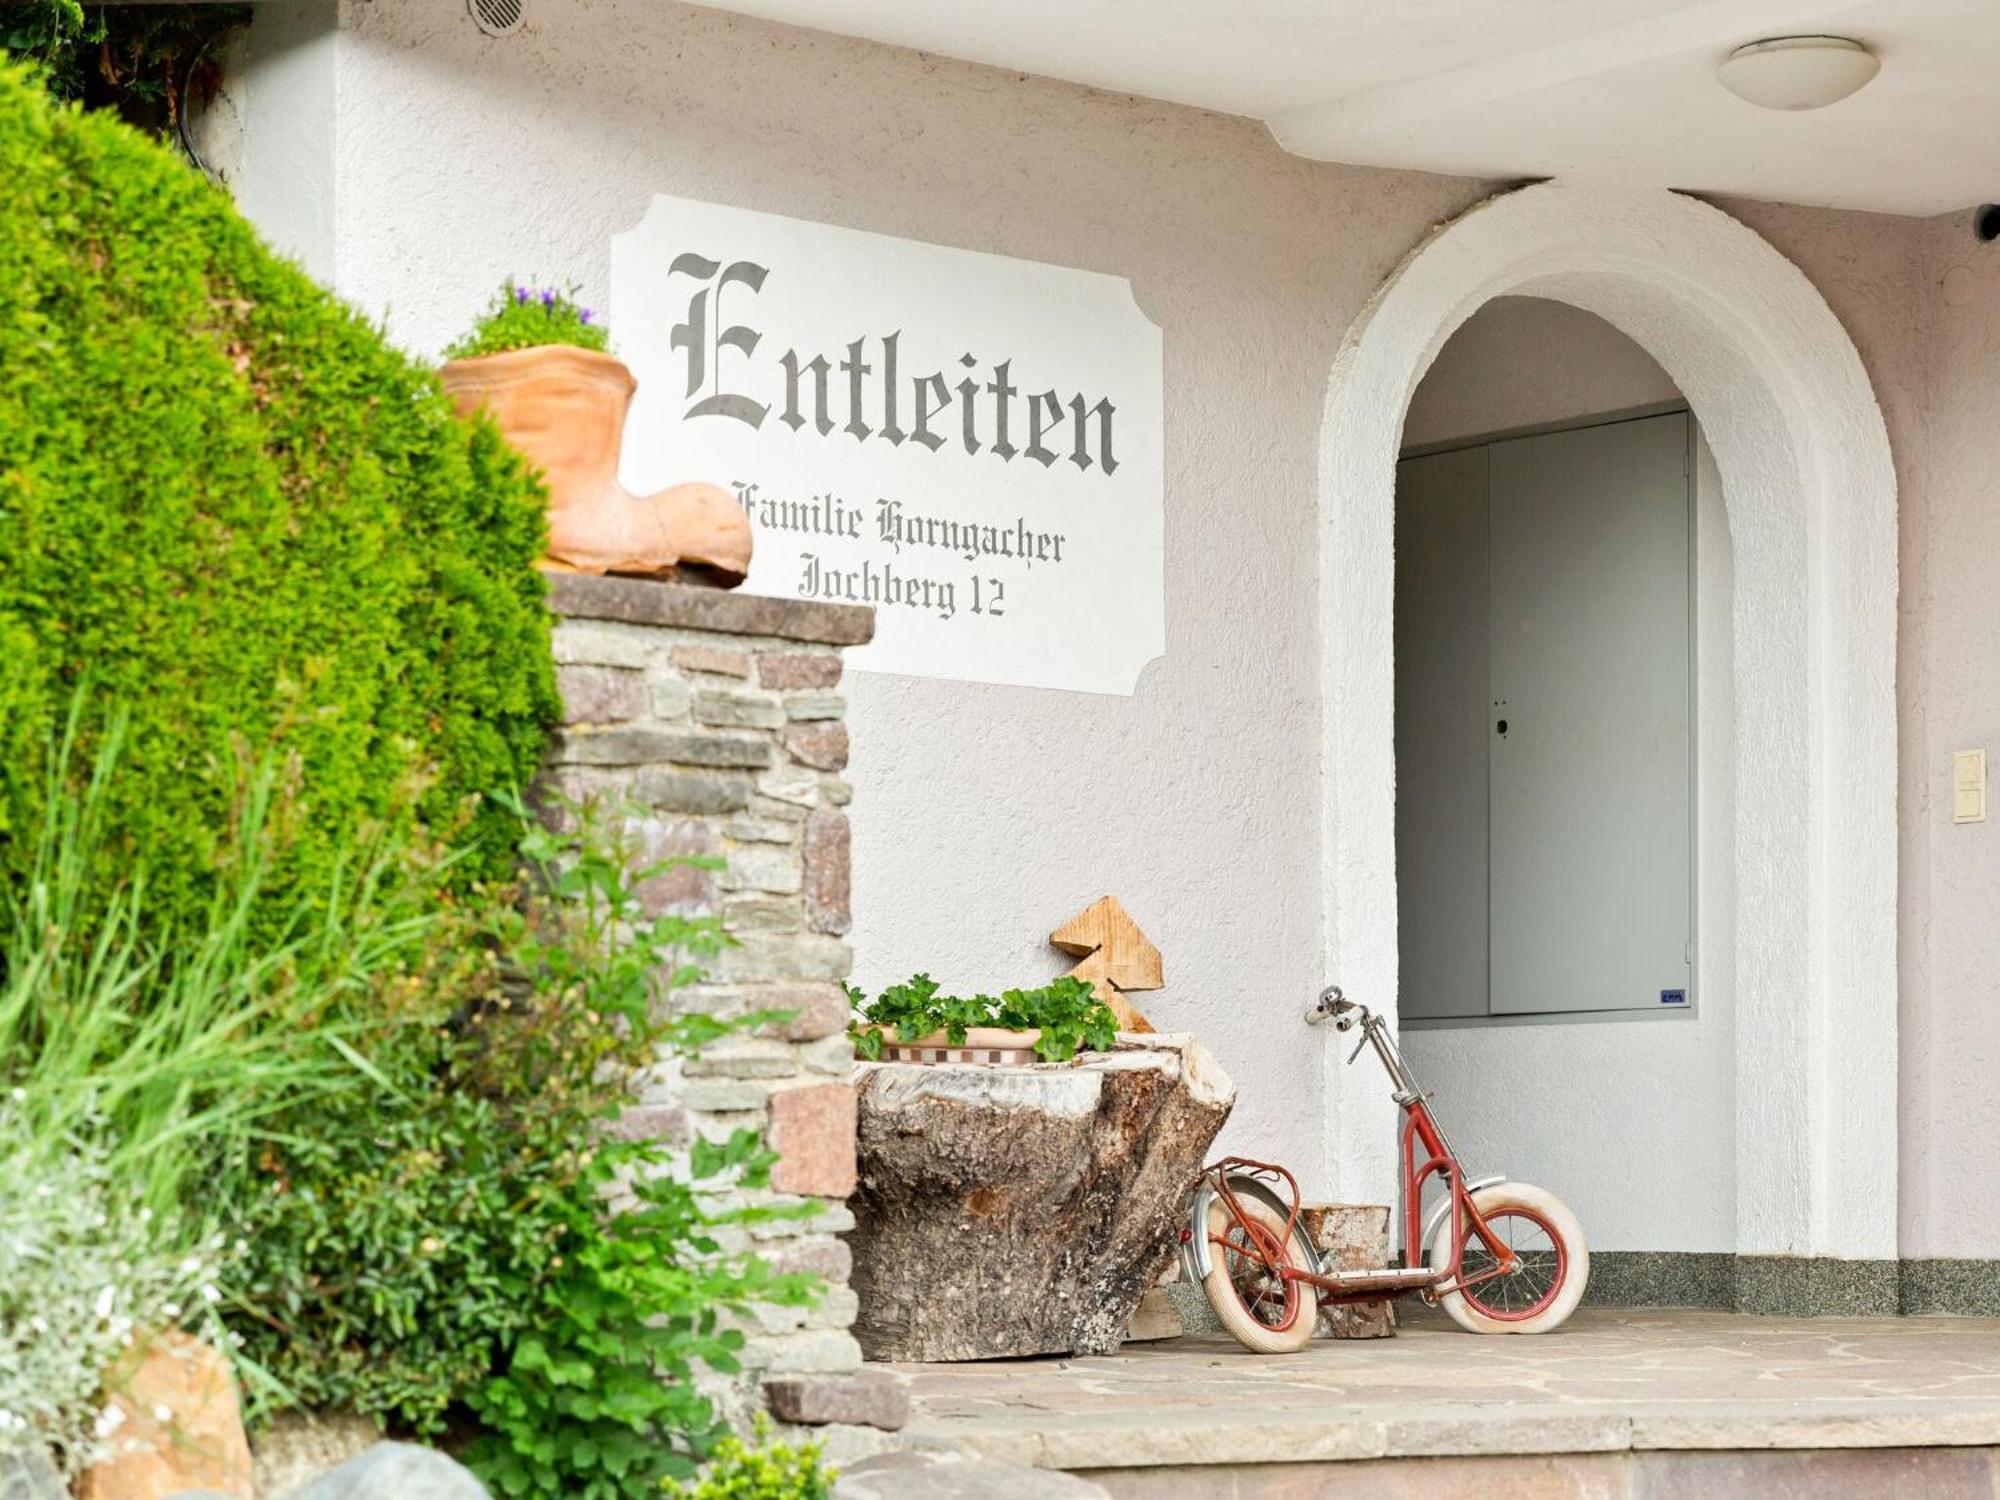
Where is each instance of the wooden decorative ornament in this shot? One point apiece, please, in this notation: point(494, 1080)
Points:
point(1117, 958)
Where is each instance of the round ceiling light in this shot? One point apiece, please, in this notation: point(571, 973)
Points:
point(1798, 72)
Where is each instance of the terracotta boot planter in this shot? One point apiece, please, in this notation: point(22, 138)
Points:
point(565, 407)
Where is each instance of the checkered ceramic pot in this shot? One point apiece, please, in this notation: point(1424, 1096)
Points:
point(985, 1047)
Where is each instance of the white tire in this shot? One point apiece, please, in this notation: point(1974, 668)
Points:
point(1257, 1328)
point(1555, 1262)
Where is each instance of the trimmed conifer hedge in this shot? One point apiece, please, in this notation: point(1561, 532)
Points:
point(243, 522)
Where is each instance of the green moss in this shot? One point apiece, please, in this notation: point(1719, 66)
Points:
point(243, 519)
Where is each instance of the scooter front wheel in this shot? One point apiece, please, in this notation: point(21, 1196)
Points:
point(1534, 1228)
point(1263, 1310)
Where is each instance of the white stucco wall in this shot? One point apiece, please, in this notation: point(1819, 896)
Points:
point(984, 816)
point(280, 98)
point(418, 163)
point(1527, 362)
point(1951, 1022)
point(1921, 300)
point(1622, 1118)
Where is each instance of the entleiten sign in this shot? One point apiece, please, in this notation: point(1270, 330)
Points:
point(969, 443)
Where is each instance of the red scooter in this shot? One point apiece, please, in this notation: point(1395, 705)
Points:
point(1498, 1256)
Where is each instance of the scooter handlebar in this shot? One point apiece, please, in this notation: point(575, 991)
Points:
point(1332, 1003)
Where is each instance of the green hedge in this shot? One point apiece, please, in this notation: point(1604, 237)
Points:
point(243, 519)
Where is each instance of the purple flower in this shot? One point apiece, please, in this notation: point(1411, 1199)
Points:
point(584, 317)
point(548, 296)
point(520, 294)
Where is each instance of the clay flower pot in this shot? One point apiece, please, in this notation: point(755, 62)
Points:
point(565, 407)
point(984, 1046)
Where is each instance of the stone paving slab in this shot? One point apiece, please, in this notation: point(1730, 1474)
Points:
point(1611, 1381)
point(1678, 1474)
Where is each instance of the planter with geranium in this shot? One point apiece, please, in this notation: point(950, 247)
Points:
point(913, 1022)
point(537, 362)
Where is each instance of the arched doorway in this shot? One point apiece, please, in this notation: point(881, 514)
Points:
point(1805, 465)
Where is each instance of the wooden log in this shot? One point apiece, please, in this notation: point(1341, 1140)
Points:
point(1351, 1237)
point(1154, 1319)
point(1011, 1211)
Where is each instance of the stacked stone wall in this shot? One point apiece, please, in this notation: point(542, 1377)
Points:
point(716, 721)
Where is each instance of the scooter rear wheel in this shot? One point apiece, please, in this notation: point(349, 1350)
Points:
point(1265, 1312)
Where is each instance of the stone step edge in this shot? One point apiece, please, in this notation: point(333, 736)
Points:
point(1166, 1439)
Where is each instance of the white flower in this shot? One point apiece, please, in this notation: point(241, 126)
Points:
point(209, 1294)
point(106, 1300)
point(162, 1412)
point(109, 1421)
point(171, 1310)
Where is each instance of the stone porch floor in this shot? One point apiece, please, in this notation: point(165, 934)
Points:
point(1638, 1384)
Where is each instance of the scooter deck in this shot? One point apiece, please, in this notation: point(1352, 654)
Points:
point(1376, 1279)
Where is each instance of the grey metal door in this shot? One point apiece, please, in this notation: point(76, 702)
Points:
point(1591, 758)
point(1544, 716)
point(1442, 726)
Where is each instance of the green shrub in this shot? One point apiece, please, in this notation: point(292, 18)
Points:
point(765, 1470)
point(522, 317)
point(254, 526)
point(440, 1239)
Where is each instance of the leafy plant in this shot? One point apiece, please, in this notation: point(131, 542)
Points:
point(139, 59)
point(598, 1397)
point(522, 317)
point(441, 1236)
point(1066, 1011)
point(765, 1470)
point(253, 522)
point(85, 1267)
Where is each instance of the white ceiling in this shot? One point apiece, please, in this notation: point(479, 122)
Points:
point(1516, 88)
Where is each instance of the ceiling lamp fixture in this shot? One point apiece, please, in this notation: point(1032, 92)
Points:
point(1798, 72)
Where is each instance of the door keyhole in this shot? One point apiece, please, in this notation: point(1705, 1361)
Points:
point(1501, 726)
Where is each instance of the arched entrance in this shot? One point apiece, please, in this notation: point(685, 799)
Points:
point(1789, 413)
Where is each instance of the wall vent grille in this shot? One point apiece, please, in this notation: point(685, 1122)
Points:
point(498, 17)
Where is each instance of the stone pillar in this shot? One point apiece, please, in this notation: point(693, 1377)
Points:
point(716, 716)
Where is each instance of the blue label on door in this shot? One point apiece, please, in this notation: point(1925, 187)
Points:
point(1673, 997)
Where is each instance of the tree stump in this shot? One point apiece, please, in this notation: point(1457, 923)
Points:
point(1012, 1211)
